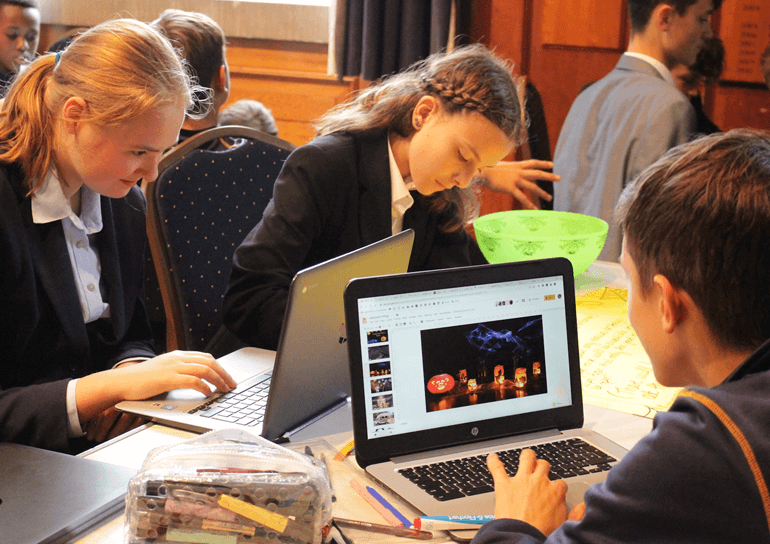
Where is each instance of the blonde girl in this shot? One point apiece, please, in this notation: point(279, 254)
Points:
point(78, 130)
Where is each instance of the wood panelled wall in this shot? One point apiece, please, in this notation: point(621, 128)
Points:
point(548, 44)
point(287, 77)
point(559, 44)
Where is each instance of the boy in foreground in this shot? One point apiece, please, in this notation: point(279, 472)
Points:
point(696, 250)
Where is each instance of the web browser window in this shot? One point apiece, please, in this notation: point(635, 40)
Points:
point(499, 348)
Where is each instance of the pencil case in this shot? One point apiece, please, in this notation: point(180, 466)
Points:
point(228, 487)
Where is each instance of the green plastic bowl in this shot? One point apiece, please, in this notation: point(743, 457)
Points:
point(524, 235)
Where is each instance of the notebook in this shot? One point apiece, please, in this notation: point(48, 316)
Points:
point(281, 392)
point(47, 496)
point(455, 364)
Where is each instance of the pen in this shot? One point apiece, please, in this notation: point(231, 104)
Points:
point(384, 529)
point(383, 501)
point(374, 503)
point(449, 523)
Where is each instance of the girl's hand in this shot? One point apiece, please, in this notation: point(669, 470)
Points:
point(176, 370)
point(519, 179)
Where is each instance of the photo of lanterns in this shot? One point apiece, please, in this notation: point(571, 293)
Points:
point(487, 362)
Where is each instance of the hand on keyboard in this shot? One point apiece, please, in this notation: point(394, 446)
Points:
point(530, 496)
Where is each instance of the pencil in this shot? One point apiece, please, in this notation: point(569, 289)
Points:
point(384, 529)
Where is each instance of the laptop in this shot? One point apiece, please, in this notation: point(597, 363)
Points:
point(280, 392)
point(450, 365)
point(47, 496)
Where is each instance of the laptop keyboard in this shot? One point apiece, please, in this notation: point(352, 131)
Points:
point(469, 476)
point(244, 405)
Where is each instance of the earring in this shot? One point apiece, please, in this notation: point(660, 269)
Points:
point(417, 123)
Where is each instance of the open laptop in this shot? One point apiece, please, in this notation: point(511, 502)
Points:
point(47, 496)
point(455, 364)
point(310, 373)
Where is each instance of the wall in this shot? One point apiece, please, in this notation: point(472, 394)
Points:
point(545, 40)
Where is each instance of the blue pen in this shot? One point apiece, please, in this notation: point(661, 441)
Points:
point(389, 506)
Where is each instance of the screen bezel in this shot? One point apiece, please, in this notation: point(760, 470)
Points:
point(369, 451)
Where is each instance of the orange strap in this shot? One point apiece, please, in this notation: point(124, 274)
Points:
point(742, 442)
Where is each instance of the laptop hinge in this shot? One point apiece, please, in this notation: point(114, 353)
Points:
point(466, 450)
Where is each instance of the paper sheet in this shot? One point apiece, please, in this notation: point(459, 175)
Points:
point(615, 370)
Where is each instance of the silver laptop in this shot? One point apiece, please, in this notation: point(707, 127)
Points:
point(310, 375)
point(47, 496)
point(448, 366)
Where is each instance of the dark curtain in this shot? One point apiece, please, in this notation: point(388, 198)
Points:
point(382, 37)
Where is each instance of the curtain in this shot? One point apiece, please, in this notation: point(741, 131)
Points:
point(373, 38)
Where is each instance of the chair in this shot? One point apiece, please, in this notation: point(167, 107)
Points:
point(200, 208)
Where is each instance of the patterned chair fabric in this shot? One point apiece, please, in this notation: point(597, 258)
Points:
point(200, 209)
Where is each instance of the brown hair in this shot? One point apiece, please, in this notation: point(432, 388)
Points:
point(200, 39)
point(468, 78)
point(700, 216)
point(121, 68)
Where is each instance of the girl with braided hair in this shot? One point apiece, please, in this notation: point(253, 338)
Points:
point(397, 156)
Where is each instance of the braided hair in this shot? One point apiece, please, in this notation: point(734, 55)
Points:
point(468, 78)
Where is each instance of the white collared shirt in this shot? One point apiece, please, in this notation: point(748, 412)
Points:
point(400, 199)
point(659, 66)
point(48, 205)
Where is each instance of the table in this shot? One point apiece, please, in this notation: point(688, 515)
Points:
point(335, 428)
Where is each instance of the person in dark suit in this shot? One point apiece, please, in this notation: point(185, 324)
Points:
point(395, 157)
point(74, 333)
point(624, 122)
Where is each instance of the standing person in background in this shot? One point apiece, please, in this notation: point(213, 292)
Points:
point(201, 42)
point(395, 157)
point(691, 79)
point(78, 129)
point(19, 37)
point(624, 122)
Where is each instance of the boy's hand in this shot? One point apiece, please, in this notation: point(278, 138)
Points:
point(529, 496)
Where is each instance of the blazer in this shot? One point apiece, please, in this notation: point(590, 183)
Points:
point(44, 340)
point(332, 196)
point(616, 128)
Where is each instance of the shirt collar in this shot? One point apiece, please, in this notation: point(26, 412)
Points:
point(664, 72)
point(49, 204)
point(401, 200)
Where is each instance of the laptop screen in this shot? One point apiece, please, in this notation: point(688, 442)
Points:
point(447, 356)
point(454, 356)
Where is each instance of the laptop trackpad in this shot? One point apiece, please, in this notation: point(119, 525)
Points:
point(575, 493)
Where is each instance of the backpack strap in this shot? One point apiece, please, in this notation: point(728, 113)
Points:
point(742, 442)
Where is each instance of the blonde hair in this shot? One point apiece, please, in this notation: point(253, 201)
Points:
point(121, 68)
point(468, 78)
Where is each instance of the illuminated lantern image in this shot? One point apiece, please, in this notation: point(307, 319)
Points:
point(499, 374)
point(536, 369)
point(472, 385)
point(441, 383)
point(520, 377)
point(463, 376)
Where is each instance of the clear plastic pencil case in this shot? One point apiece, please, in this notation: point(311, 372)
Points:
point(228, 487)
